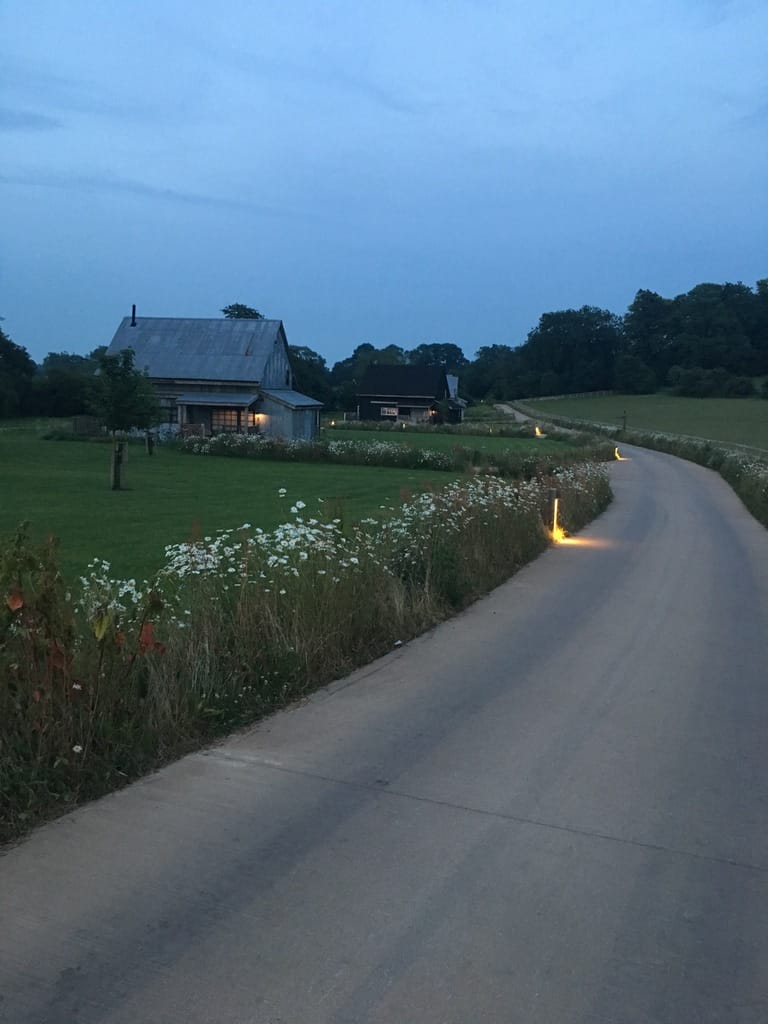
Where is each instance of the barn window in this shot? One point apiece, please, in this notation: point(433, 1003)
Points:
point(224, 419)
point(389, 410)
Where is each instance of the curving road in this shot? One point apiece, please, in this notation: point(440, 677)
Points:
point(552, 809)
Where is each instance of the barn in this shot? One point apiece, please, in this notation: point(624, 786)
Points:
point(409, 394)
point(217, 375)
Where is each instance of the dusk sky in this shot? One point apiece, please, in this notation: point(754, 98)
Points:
point(398, 172)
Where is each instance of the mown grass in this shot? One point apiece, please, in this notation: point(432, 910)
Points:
point(62, 488)
point(97, 690)
point(730, 420)
point(447, 442)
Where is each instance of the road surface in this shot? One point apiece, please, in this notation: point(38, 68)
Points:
point(553, 808)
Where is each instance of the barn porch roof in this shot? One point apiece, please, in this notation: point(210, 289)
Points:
point(238, 399)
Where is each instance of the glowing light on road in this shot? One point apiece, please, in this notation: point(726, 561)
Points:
point(537, 431)
point(617, 455)
point(558, 534)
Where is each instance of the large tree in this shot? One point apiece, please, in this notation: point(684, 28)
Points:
point(311, 375)
point(650, 331)
point(494, 373)
point(439, 354)
point(238, 311)
point(64, 386)
point(123, 397)
point(17, 371)
point(574, 349)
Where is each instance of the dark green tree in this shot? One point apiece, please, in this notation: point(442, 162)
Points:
point(311, 374)
point(123, 397)
point(493, 374)
point(632, 376)
point(577, 346)
point(17, 372)
point(447, 354)
point(650, 330)
point(237, 311)
point(64, 386)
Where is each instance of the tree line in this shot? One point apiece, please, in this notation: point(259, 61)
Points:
point(709, 341)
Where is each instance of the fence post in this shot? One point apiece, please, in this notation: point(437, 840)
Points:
point(117, 465)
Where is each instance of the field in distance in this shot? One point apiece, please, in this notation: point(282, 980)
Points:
point(62, 488)
point(735, 420)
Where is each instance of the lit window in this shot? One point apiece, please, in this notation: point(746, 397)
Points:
point(389, 410)
point(225, 420)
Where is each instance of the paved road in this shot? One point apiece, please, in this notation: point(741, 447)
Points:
point(552, 809)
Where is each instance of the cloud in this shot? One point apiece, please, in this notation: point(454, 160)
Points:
point(107, 183)
point(26, 121)
point(73, 95)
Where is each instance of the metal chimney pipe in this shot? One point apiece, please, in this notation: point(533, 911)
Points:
point(133, 315)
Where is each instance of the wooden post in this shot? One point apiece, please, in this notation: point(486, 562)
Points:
point(117, 464)
point(150, 442)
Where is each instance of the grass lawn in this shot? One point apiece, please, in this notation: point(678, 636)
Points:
point(739, 420)
point(62, 488)
point(445, 442)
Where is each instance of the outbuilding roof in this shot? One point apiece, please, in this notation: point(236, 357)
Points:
point(180, 348)
point(293, 399)
point(422, 381)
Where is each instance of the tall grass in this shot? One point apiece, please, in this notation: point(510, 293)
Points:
point(99, 686)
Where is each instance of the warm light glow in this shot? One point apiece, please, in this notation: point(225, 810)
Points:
point(596, 543)
point(558, 534)
point(617, 455)
point(333, 423)
point(537, 431)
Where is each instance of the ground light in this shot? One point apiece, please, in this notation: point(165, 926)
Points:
point(558, 533)
point(617, 455)
point(537, 431)
point(561, 538)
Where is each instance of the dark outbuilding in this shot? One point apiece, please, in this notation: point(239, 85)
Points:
point(409, 394)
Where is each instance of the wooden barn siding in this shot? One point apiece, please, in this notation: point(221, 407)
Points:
point(289, 423)
point(277, 371)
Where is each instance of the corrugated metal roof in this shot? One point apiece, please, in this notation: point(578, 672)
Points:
point(176, 348)
point(221, 399)
point(294, 399)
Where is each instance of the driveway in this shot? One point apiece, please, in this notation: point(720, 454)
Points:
point(551, 809)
